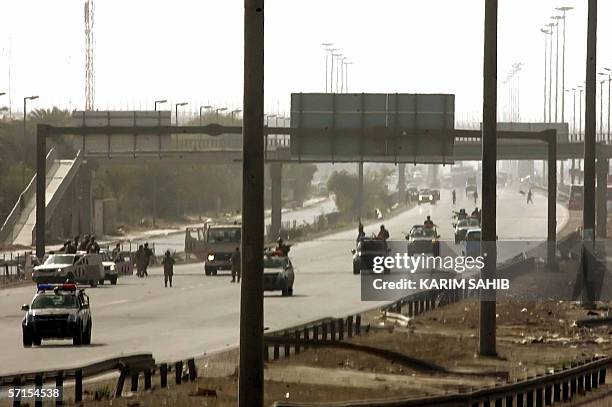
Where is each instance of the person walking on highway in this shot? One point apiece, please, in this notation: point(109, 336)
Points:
point(116, 253)
point(454, 197)
point(168, 263)
point(475, 197)
point(84, 243)
point(529, 196)
point(236, 265)
point(148, 254)
point(383, 234)
point(139, 257)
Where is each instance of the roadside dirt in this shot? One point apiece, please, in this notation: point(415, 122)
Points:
point(533, 337)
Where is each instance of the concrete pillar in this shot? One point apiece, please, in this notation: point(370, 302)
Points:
point(434, 181)
point(401, 183)
point(276, 174)
point(359, 190)
point(603, 167)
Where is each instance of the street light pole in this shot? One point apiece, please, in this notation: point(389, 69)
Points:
point(601, 97)
point(25, 150)
point(338, 62)
point(220, 109)
point(545, 32)
point(176, 106)
point(346, 64)
point(157, 102)
point(487, 333)
point(326, 46)
point(551, 25)
point(234, 112)
point(203, 107)
point(557, 68)
point(564, 10)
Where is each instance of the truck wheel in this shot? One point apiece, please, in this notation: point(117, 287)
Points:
point(208, 270)
point(27, 341)
point(70, 277)
point(77, 337)
point(101, 282)
point(93, 283)
point(37, 341)
point(290, 292)
point(355, 269)
point(113, 280)
point(214, 272)
point(285, 291)
point(87, 336)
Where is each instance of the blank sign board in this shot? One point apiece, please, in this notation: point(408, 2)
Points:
point(372, 127)
point(105, 144)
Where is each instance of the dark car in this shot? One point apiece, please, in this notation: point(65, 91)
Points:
point(364, 253)
point(412, 193)
point(278, 274)
point(57, 311)
point(422, 239)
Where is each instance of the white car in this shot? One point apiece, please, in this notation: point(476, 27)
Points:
point(462, 226)
point(470, 246)
point(426, 196)
point(110, 270)
point(84, 268)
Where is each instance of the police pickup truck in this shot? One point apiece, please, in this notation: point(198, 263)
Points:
point(84, 268)
point(57, 311)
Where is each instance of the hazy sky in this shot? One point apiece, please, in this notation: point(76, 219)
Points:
point(191, 50)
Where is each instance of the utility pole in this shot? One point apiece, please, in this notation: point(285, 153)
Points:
point(590, 124)
point(546, 33)
point(251, 378)
point(557, 18)
point(550, 25)
point(326, 47)
point(487, 334)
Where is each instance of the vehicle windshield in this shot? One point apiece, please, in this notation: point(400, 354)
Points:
point(60, 259)
point(224, 235)
point(473, 236)
point(473, 222)
point(462, 223)
point(274, 262)
point(423, 232)
point(104, 256)
point(373, 245)
point(47, 300)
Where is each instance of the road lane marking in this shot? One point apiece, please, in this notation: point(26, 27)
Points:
point(116, 302)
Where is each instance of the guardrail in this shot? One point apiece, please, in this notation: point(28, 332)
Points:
point(557, 386)
point(10, 266)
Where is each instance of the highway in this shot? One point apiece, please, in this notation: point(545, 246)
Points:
point(201, 314)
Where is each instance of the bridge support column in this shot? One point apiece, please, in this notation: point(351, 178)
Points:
point(276, 174)
point(434, 181)
point(552, 200)
point(401, 183)
point(41, 186)
point(360, 189)
point(603, 167)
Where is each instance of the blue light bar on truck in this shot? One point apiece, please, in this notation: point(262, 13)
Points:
point(66, 287)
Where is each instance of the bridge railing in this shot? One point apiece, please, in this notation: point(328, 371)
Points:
point(8, 230)
point(225, 143)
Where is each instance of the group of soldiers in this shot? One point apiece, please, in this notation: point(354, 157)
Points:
point(87, 244)
point(142, 259)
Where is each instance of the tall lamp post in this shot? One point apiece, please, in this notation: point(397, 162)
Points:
point(546, 34)
point(25, 150)
point(609, 83)
point(176, 106)
point(203, 107)
point(332, 52)
point(233, 112)
point(158, 102)
point(338, 63)
point(557, 18)
point(217, 110)
point(601, 98)
point(550, 25)
point(346, 65)
point(564, 9)
point(327, 47)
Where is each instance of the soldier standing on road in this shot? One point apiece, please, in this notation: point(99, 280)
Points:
point(93, 246)
point(148, 253)
point(139, 257)
point(84, 243)
point(529, 196)
point(236, 264)
point(168, 263)
point(454, 197)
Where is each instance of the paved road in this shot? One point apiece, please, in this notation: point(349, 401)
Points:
point(201, 314)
